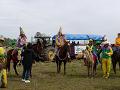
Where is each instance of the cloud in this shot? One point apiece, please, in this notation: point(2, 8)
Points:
point(75, 16)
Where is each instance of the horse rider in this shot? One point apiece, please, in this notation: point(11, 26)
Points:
point(60, 40)
point(106, 58)
point(117, 42)
point(89, 47)
point(3, 71)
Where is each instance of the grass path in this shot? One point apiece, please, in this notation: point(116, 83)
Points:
point(46, 78)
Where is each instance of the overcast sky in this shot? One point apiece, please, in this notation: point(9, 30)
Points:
point(75, 16)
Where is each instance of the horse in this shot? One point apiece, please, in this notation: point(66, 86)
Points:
point(38, 49)
point(90, 59)
point(62, 56)
point(12, 55)
point(115, 57)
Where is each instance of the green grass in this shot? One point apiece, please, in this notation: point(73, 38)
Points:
point(46, 78)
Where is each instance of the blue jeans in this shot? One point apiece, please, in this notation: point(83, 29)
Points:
point(26, 73)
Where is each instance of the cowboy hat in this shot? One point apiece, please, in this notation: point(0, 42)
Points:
point(90, 40)
point(106, 42)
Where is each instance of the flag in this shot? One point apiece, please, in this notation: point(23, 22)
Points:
point(22, 39)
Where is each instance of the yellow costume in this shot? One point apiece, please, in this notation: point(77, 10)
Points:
point(60, 40)
point(117, 41)
point(3, 72)
point(106, 60)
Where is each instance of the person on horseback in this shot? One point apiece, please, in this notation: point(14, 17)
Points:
point(3, 72)
point(60, 41)
point(117, 41)
point(116, 46)
point(89, 47)
point(106, 58)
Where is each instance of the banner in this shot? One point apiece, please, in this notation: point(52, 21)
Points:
point(79, 49)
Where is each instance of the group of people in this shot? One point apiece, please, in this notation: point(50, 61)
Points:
point(25, 53)
point(102, 52)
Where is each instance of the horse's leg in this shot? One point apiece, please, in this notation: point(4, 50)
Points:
point(14, 66)
point(60, 62)
point(8, 65)
point(119, 64)
point(57, 66)
point(91, 69)
point(114, 62)
point(94, 68)
point(88, 67)
point(64, 67)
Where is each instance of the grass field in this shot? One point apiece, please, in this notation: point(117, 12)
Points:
point(46, 78)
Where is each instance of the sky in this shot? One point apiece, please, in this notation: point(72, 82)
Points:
point(46, 16)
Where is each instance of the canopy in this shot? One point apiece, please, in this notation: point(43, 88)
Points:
point(81, 37)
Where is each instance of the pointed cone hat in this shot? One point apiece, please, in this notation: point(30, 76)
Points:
point(60, 30)
point(21, 31)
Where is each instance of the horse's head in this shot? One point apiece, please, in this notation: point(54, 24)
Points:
point(66, 46)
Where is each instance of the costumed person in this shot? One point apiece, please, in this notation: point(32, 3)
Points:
point(116, 46)
point(97, 50)
point(22, 40)
point(106, 58)
point(28, 57)
point(21, 43)
point(60, 41)
point(89, 47)
point(3, 71)
point(117, 40)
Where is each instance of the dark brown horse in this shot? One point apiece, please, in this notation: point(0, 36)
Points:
point(38, 49)
point(12, 55)
point(62, 56)
point(115, 57)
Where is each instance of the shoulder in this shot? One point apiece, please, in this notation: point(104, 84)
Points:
point(117, 38)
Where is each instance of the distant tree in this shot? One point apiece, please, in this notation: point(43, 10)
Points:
point(10, 42)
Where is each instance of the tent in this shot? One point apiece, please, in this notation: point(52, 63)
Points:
point(81, 37)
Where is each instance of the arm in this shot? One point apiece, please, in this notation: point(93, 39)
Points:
point(57, 42)
point(111, 52)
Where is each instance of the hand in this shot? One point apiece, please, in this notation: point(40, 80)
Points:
point(108, 54)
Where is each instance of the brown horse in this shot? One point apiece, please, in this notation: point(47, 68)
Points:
point(91, 63)
point(12, 55)
point(38, 49)
point(62, 56)
point(115, 57)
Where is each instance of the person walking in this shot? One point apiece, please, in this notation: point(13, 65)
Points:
point(106, 59)
point(28, 56)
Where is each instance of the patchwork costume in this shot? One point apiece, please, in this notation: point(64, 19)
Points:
point(60, 40)
point(106, 60)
